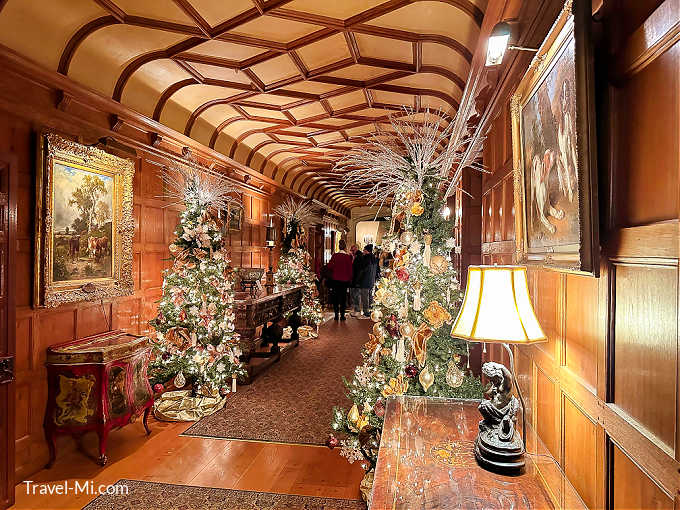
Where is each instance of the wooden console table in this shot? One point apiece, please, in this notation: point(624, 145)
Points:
point(266, 310)
point(426, 461)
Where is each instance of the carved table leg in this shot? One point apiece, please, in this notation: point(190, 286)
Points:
point(145, 421)
point(295, 322)
point(51, 439)
point(103, 434)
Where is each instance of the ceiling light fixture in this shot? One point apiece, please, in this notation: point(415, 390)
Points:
point(498, 44)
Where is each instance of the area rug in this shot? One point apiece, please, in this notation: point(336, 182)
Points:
point(292, 400)
point(149, 495)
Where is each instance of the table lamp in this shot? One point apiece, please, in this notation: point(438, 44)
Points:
point(497, 309)
point(270, 242)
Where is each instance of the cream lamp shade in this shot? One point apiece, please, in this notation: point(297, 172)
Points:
point(497, 307)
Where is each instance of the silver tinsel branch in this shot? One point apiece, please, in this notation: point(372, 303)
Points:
point(401, 158)
point(192, 183)
point(301, 213)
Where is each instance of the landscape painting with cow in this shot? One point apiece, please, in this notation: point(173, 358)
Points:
point(82, 229)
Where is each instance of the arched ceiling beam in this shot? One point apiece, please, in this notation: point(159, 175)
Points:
point(77, 38)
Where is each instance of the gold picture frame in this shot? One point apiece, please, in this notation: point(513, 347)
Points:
point(84, 223)
point(554, 150)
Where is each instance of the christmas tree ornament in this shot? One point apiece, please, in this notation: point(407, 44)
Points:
point(454, 375)
point(426, 379)
point(427, 251)
point(411, 371)
point(417, 299)
point(419, 343)
point(379, 332)
point(397, 386)
point(179, 380)
point(417, 209)
point(367, 407)
point(361, 422)
point(406, 237)
point(436, 315)
point(224, 391)
point(158, 388)
point(402, 274)
point(400, 355)
point(353, 414)
point(439, 264)
point(376, 315)
point(407, 330)
point(332, 441)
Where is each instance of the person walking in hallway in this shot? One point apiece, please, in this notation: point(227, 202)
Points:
point(366, 280)
point(355, 291)
point(340, 268)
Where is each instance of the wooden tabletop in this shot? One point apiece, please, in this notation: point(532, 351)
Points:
point(427, 462)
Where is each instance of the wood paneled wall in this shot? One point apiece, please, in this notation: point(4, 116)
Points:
point(603, 392)
point(37, 329)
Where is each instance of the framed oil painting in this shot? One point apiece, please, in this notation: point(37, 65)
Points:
point(554, 150)
point(232, 219)
point(84, 224)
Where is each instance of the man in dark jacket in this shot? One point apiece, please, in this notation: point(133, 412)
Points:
point(366, 280)
point(355, 291)
point(340, 269)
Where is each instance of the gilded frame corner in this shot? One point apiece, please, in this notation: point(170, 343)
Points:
point(572, 22)
point(47, 292)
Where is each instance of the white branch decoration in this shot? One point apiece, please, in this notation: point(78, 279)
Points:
point(302, 213)
point(402, 158)
point(193, 183)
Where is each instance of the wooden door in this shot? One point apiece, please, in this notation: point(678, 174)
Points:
point(8, 223)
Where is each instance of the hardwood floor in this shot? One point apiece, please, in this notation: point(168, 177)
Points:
point(165, 456)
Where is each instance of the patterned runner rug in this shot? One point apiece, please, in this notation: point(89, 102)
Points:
point(292, 401)
point(149, 495)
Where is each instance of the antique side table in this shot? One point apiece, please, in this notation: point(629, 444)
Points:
point(96, 383)
point(426, 461)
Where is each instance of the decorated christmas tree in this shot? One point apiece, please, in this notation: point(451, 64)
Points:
point(295, 261)
point(409, 350)
point(195, 342)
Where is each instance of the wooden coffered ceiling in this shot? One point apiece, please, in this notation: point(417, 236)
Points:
point(284, 87)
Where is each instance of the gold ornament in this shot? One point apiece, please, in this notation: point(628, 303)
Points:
point(179, 381)
point(353, 415)
point(454, 375)
point(379, 332)
point(395, 387)
point(361, 422)
point(417, 209)
point(376, 315)
point(439, 264)
point(406, 237)
point(426, 378)
point(367, 407)
point(419, 343)
point(372, 344)
point(407, 330)
point(436, 315)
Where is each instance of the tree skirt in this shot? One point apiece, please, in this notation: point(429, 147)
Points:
point(145, 495)
point(292, 401)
